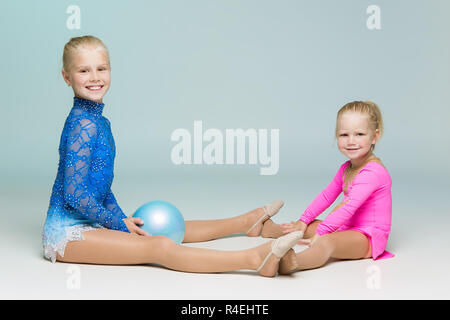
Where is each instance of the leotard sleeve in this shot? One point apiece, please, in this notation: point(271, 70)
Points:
point(78, 192)
point(363, 185)
point(111, 204)
point(325, 198)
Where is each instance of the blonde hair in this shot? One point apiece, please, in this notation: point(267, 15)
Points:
point(368, 108)
point(76, 43)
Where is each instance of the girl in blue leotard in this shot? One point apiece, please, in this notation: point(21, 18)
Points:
point(84, 222)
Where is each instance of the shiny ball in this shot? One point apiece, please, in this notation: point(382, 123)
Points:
point(162, 218)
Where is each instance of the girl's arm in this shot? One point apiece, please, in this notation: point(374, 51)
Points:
point(325, 198)
point(363, 186)
point(111, 204)
point(78, 192)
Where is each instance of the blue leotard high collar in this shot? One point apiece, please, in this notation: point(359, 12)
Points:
point(94, 108)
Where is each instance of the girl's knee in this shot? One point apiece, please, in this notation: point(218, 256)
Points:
point(162, 242)
point(159, 246)
point(326, 242)
point(154, 249)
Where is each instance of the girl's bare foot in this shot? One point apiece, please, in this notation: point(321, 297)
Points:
point(288, 263)
point(271, 230)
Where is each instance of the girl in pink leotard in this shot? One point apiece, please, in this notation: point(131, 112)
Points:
point(359, 226)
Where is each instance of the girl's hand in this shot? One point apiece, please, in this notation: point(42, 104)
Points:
point(293, 226)
point(309, 242)
point(132, 223)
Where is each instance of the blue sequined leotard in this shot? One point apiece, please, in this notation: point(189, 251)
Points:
point(81, 197)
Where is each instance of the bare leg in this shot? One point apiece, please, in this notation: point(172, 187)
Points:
point(347, 244)
point(204, 230)
point(104, 246)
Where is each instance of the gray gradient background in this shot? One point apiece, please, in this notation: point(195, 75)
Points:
point(287, 65)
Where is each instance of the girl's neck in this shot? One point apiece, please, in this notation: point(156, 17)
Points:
point(358, 163)
point(92, 107)
point(100, 102)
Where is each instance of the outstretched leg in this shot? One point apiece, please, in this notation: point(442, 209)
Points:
point(348, 244)
point(204, 230)
point(248, 223)
point(104, 246)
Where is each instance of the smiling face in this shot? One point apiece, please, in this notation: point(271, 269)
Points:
point(89, 73)
point(355, 137)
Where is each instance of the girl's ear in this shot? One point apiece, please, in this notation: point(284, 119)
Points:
point(66, 77)
point(376, 136)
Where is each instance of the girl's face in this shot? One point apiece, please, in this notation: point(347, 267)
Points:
point(355, 137)
point(90, 74)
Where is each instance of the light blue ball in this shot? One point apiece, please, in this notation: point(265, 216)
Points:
point(162, 218)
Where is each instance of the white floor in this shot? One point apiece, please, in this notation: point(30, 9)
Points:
point(419, 238)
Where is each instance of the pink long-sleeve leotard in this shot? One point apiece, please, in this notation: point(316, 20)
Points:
point(367, 206)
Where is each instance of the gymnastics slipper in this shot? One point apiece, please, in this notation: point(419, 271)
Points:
point(281, 245)
point(269, 211)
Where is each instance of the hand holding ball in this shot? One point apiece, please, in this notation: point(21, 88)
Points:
point(162, 218)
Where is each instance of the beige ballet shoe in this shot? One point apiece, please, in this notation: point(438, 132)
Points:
point(282, 245)
point(269, 211)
